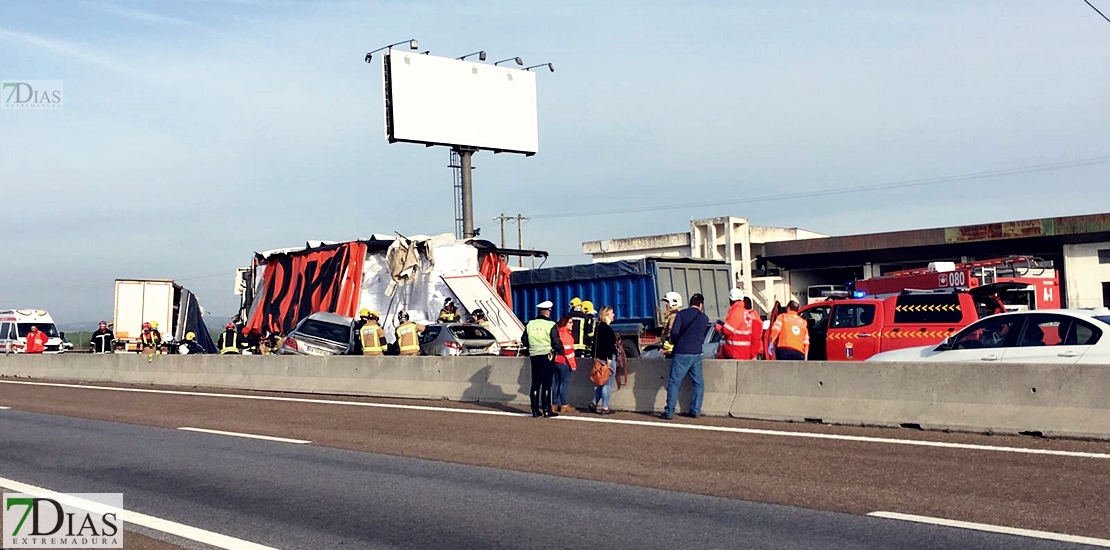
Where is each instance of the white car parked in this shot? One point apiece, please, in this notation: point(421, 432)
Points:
point(1057, 336)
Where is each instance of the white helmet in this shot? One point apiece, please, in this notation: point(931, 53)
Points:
point(735, 295)
point(673, 299)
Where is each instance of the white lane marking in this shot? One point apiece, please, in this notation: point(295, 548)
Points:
point(725, 429)
point(249, 436)
point(158, 524)
point(272, 398)
point(858, 438)
point(994, 528)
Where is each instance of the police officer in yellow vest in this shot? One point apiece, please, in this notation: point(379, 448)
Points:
point(540, 336)
point(372, 335)
point(408, 334)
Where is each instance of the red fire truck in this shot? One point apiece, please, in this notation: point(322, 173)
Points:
point(1020, 282)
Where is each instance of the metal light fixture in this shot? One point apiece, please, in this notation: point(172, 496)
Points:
point(481, 56)
point(548, 65)
point(516, 59)
point(425, 52)
point(413, 45)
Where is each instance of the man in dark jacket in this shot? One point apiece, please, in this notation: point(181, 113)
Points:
point(102, 339)
point(688, 336)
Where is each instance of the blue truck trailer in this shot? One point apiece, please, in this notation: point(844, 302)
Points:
point(634, 288)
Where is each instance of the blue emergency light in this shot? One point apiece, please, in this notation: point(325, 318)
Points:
point(859, 294)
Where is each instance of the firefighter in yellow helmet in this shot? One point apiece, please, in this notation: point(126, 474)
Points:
point(371, 335)
point(577, 326)
point(449, 313)
point(588, 327)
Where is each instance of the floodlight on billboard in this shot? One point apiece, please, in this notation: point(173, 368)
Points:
point(444, 101)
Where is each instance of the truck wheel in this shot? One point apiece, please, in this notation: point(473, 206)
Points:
point(631, 350)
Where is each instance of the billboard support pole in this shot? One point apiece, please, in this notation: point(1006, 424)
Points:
point(465, 154)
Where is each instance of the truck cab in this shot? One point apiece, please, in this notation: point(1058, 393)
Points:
point(16, 323)
point(845, 329)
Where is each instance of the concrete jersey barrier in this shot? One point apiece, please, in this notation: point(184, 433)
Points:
point(1066, 400)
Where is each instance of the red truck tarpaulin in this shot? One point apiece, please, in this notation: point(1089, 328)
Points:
point(299, 284)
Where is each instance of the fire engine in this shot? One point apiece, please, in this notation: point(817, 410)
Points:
point(1020, 282)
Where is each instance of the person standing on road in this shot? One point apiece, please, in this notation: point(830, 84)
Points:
point(541, 335)
point(578, 326)
point(605, 349)
point(36, 341)
point(102, 339)
point(408, 334)
point(687, 335)
point(589, 328)
point(672, 304)
point(790, 335)
point(228, 342)
point(564, 365)
point(736, 332)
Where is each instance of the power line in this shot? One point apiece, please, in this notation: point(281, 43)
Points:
point(822, 193)
point(1099, 12)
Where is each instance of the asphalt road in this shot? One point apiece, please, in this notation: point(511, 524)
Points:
point(500, 480)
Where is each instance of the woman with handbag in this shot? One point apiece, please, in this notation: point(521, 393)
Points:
point(605, 366)
point(564, 365)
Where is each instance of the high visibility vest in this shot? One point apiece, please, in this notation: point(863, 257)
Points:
point(150, 340)
point(737, 333)
point(447, 316)
point(566, 339)
point(408, 339)
point(578, 329)
point(229, 345)
point(539, 336)
point(371, 339)
point(791, 332)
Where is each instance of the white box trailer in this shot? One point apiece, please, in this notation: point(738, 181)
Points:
point(141, 301)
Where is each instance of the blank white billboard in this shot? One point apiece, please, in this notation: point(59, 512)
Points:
point(444, 101)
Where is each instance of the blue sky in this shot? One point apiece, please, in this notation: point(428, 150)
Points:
point(196, 132)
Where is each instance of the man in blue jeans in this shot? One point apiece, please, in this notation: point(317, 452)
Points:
point(688, 332)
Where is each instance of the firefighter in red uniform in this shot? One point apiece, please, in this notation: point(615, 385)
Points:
point(790, 335)
point(756, 322)
point(737, 329)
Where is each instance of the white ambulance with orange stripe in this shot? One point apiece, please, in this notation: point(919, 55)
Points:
point(16, 323)
point(855, 329)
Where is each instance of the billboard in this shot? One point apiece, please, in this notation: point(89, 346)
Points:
point(444, 101)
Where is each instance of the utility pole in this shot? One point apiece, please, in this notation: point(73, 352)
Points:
point(520, 238)
point(502, 218)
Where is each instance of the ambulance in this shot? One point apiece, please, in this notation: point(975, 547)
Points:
point(16, 323)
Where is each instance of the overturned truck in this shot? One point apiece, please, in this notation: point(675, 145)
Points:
point(387, 274)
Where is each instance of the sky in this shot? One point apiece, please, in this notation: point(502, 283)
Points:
point(197, 132)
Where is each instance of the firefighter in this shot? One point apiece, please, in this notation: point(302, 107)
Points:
point(790, 335)
point(228, 343)
point(757, 328)
point(102, 339)
point(408, 334)
point(449, 313)
point(736, 330)
point(478, 317)
point(672, 304)
point(150, 340)
point(577, 326)
point(372, 335)
point(190, 345)
point(589, 328)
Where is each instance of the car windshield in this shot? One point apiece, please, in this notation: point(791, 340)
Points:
point(49, 328)
point(326, 331)
point(471, 332)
